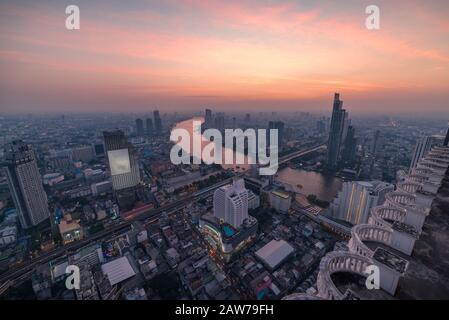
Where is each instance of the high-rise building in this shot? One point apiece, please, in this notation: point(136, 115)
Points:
point(149, 127)
point(25, 184)
point(247, 118)
point(354, 202)
point(220, 122)
point(279, 126)
point(231, 203)
point(348, 155)
point(336, 132)
point(122, 160)
point(157, 122)
point(423, 146)
point(139, 127)
point(208, 121)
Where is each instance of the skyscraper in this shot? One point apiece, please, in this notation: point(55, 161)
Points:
point(122, 161)
point(139, 127)
point(157, 122)
point(336, 132)
point(25, 184)
point(220, 122)
point(423, 146)
point(231, 203)
point(208, 122)
point(348, 155)
point(149, 127)
point(375, 142)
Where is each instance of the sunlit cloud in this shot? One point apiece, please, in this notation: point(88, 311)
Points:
point(152, 52)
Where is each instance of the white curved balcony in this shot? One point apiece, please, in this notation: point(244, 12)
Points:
point(380, 215)
point(338, 261)
point(416, 213)
point(432, 175)
point(439, 168)
point(441, 150)
point(424, 192)
point(409, 186)
point(368, 232)
point(441, 159)
point(444, 158)
point(400, 199)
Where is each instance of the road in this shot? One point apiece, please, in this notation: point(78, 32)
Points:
point(19, 271)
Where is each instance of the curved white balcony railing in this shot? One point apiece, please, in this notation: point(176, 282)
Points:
point(381, 215)
point(403, 200)
point(368, 232)
point(409, 186)
point(403, 211)
point(439, 168)
point(443, 158)
point(338, 261)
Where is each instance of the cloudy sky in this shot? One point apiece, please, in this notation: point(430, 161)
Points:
point(229, 55)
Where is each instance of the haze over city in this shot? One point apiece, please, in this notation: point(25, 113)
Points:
point(258, 55)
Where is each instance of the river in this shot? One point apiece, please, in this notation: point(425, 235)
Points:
point(325, 187)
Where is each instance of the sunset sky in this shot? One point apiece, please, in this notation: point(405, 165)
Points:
point(227, 55)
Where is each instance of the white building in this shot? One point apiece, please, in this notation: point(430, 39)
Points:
point(354, 202)
point(25, 184)
point(231, 203)
point(280, 201)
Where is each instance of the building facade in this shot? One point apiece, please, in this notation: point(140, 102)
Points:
point(25, 183)
point(231, 203)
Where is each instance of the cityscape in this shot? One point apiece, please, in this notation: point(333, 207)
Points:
point(93, 207)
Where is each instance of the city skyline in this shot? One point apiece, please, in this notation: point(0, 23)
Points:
point(185, 55)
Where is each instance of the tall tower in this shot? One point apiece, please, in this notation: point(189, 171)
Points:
point(208, 119)
point(220, 122)
point(157, 122)
point(348, 155)
point(336, 132)
point(375, 142)
point(139, 127)
point(149, 127)
point(122, 161)
point(231, 203)
point(25, 184)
